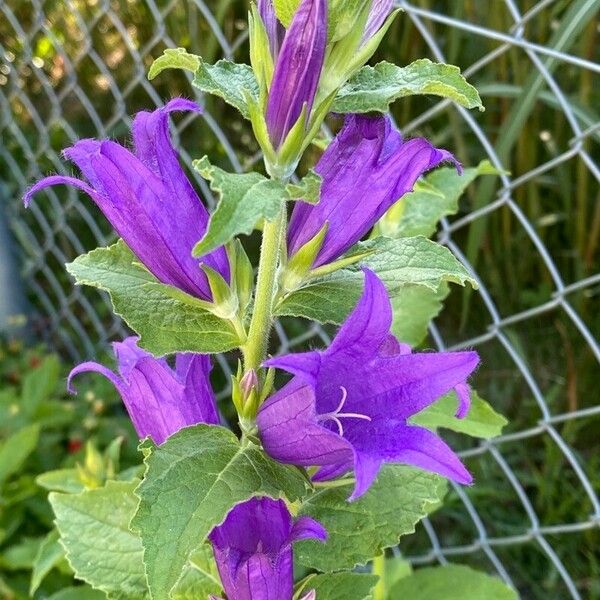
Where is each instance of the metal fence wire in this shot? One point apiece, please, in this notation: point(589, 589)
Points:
point(77, 68)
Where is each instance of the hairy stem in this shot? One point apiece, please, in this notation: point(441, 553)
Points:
point(255, 349)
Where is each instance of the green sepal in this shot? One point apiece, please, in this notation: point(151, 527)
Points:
point(347, 56)
point(353, 257)
point(260, 53)
point(242, 275)
point(288, 155)
point(259, 127)
point(225, 303)
point(300, 263)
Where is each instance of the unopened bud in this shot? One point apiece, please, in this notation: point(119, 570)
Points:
point(248, 383)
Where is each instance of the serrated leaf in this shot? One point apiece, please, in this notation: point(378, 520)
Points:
point(419, 212)
point(245, 200)
point(452, 582)
point(167, 319)
point(413, 308)
point(174, 58)
point(100, 547)
point(50, 554)
point(414, 260)
point(482, 421)
point(308, 189)
point(341, 586)
point(15, 450)
point(399, 263)
point(228, 80)
point(360, 530)
point(375, 88)
point(191, 482)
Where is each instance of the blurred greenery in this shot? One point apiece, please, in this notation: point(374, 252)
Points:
point(41, 429)
point(79, 70)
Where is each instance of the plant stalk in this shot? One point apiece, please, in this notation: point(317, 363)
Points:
point(255, 349)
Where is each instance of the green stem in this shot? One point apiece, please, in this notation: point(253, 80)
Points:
point(255, 349)
point(379, 569)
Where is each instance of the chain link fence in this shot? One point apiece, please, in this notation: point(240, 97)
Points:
point(77, 68)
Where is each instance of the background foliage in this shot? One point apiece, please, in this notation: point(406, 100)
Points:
point(77, 68)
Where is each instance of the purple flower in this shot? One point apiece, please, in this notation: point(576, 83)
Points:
point(365, 169)
point(348, 406)
point(297, 70)
point(160, 400)
point(253, 549)
point(380, 9)
point(148, 199)
point(275, 30)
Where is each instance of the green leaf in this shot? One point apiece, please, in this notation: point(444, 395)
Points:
point(326, 300)
point(375, 88)
point(419, 212)
point(20, 556)
point(308, 189)
point(191, 482)
point(415, 260)
point(167, 319)
point(230, 81)
point(81, 592)
point(174, 58)
point(61, 480)
point(200, 577)
point(360, 530)
point(245, 200)
point(15, 450)
point(413, 308)
point(50, 554)
point(340, 586)
point(452, 582)
point(100, 547)
point(399, 263)
point(39, 384)
point(482, 420)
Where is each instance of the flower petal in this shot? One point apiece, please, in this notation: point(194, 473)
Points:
point(367, 327)
point(193, 370)
point(289, 431)
point(394, 441)
point(306, 528)
point(86, 367)
point(305, 365)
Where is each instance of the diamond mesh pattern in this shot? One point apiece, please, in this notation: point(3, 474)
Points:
point(76, 68)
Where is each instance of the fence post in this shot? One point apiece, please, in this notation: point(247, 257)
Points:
point(12, 297)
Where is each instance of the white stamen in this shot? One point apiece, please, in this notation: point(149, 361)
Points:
point(336, 415)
